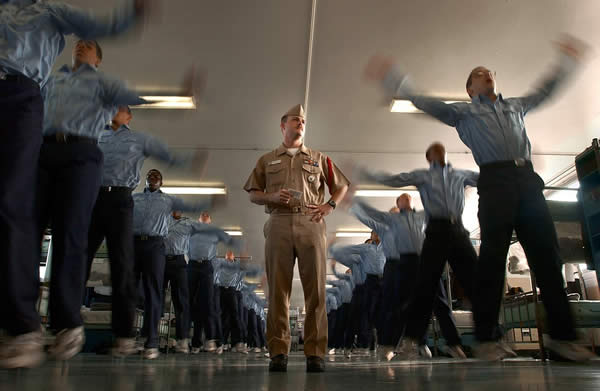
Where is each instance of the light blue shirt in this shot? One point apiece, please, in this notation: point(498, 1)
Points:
point(442, 189)
point(152, 211)
point(32, 33)
point(330, 302)
point(336, 295)
point(178, 239)
point(203, 244)
point(345, 285)
point(227, 273)
point(350, 260)
point(125, 152)
point(370, 256)
point(82, 102)
point(494, 131)
point(400, 233)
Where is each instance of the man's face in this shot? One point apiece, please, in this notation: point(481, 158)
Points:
point(84, 52)
point(404, 202)
point(205, 218)
point(483, 82)
point(293, 127)
point(437, 153)
point(154, 180)
point(374, 237)
point(123, 117)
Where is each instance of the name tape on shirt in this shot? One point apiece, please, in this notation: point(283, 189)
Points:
point(274, 162)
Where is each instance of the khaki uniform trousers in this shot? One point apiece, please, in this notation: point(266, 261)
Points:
point(291, 236)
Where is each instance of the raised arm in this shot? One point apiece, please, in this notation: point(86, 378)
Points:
point(566, 67)
point(413, 178)
point(471, 178)
point(345, 255)
point(182, 206)
point(371, 217)
point(86, 25)
point(159, 150)
point(397, 85)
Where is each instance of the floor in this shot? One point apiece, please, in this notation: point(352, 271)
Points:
point(230, 371)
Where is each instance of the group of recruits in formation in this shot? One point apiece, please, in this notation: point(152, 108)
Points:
point(62, 167)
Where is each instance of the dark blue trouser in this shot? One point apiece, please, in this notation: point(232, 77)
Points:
point(331, 322)
point(511, 198)
point(113, 219)
point(69, 181)
point(176, 273)
point(399, 278)
point(261, 331)
point(218, 321)
point(341, 322)
point(243, 311)
point(202, 297)
point(253, 338)
point(21, 115)
point(358, 320)
point(231, 315)
point(150, 269)
point(373, 295)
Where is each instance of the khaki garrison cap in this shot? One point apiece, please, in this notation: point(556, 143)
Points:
point(296, 111)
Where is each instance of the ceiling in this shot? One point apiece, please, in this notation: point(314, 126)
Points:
point(255, 56)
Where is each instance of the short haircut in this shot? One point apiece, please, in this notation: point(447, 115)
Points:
point(284, 119)
point(96, 44)
point(154, 170)
point(430, 148)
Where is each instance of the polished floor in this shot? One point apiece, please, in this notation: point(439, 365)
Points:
point(88, 372)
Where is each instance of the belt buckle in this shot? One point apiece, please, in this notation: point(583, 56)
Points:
point(520, 162)
point(296, 209)
point(109, 189)
point(61, 137)
point(143, 237)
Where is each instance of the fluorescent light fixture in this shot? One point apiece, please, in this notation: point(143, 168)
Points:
point(193, 190)
point(392, 193)
point(234, 233)
point(353, 234)
point(167, 102)
point(565, 195)
point(406, 106)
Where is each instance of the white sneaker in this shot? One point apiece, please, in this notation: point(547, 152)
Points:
point(210, 346)
point(67, 344)
point(183, 346)
point(195, 351)
point(568, 349)
point(456, 352)
point(267, 355)
point(219, 350)
point(489, 351)
point(22, 351)
point(151, 353)
point(331, 352)
point(257, 350)
point(124, 347)
point(386, 353)
point(425, 352)
point(239, 348)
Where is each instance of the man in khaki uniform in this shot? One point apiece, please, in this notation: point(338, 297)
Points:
point(290, 181)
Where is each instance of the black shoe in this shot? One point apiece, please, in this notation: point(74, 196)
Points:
point(278, 363)
point(315, 364)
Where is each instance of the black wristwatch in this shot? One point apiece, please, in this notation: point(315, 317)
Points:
point(332, 203)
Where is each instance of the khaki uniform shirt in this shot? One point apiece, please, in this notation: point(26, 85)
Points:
point(307, 172)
